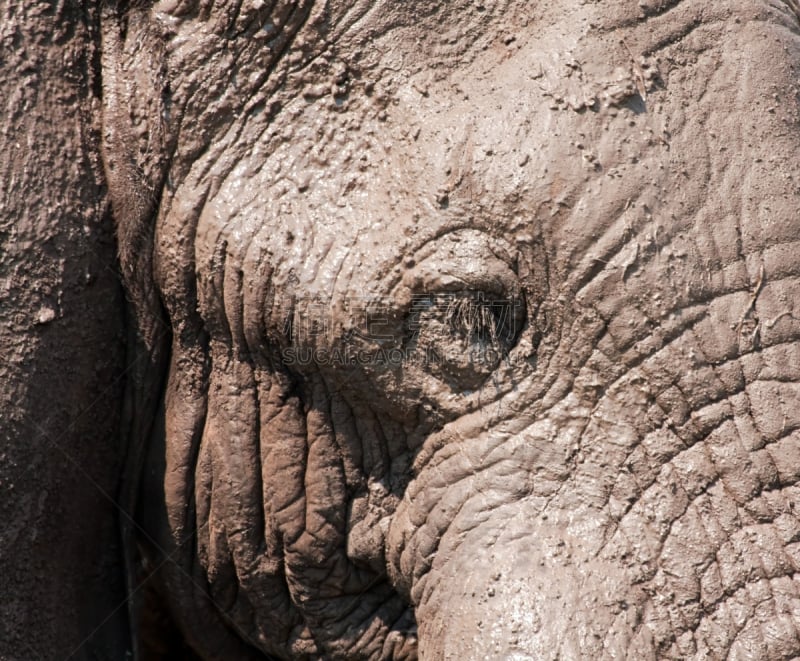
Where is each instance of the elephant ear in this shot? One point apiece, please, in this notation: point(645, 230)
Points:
point(61, 346)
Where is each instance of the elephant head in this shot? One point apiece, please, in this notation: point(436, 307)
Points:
point(467, 328)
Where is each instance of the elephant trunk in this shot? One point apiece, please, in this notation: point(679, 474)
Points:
point(602, 538)
point(529, 589)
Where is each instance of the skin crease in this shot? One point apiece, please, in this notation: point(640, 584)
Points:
point(622, 483)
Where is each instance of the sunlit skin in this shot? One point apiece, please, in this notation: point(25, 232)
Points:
point(623, 179)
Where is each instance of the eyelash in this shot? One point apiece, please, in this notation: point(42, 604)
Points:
point(472, 315)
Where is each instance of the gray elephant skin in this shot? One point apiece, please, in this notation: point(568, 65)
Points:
point(455, 330)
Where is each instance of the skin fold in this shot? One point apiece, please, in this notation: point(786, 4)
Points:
point(605, 466)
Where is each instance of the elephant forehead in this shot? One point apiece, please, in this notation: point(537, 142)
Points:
point(574, 139)
point(353, 184)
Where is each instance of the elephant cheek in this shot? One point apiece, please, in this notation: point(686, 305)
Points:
point(537, 594)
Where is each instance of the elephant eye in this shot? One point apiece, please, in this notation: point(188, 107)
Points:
point(474, 317)
point(479, 320)
point(463, 335)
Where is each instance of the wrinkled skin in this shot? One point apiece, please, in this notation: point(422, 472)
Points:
point(622, 482)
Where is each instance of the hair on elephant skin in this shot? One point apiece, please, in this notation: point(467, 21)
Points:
point(455, 330)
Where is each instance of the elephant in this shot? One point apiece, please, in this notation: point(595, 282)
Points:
point(453, 330)
point(62, 346)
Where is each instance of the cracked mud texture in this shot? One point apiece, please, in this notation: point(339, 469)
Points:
point(461, 329)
